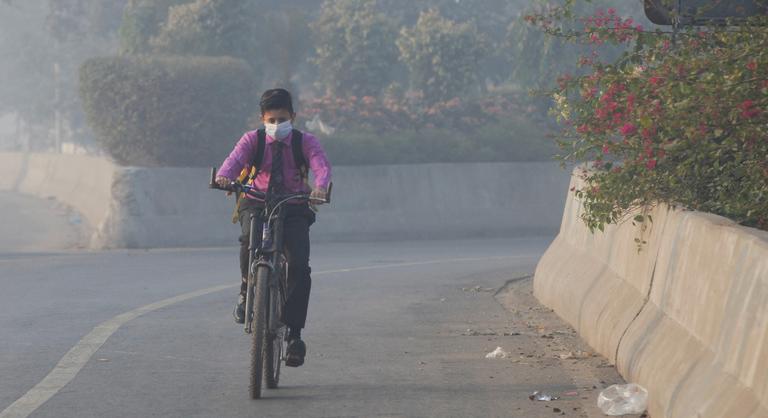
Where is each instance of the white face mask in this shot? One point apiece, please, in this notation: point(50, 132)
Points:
point(279, 131)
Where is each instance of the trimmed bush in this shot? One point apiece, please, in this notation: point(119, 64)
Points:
point(168, 111)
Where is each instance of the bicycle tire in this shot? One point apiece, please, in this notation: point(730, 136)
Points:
point(273, 354)
point(273, 357)
point(258, 330)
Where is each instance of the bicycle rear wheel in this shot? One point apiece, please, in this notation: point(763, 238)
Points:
point(259, 329)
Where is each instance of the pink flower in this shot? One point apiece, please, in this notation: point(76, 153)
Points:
point(651, 164)
point(647, 133)
point(752, 66)
point(628, 129)
point(606, 149)
point(748, 110)
point(611, 11)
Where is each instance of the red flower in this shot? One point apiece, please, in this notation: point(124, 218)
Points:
point(752, 66)
point(748, 109)
point(650, 164)
point(648, 133)
point(628, 129)
point(606, 149)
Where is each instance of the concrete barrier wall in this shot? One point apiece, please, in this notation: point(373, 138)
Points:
point(82, 182)
point(686, 316)
point(170, 207)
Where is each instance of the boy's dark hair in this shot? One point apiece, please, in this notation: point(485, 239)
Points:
point(275, 99)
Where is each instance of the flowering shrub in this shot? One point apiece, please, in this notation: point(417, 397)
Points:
point(681, 121)
point(405, 130)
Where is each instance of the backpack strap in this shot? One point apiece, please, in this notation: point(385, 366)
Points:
point(261, 144)
point(297, 145)
point(250, 173)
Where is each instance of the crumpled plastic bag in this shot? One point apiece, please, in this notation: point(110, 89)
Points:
point(626, 399)
point(498, 353)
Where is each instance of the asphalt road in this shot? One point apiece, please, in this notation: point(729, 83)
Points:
point(30, 224)
point(394, 330)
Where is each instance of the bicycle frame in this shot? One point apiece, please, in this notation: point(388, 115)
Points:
point(268, 254)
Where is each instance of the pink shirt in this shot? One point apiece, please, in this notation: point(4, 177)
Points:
point(245, 151)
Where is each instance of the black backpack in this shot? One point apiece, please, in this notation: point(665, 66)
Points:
point(296, 146)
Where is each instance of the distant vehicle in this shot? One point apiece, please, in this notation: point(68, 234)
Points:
point(702, 12)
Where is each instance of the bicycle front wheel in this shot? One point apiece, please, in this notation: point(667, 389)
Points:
point(259, 329)
point(273, 357)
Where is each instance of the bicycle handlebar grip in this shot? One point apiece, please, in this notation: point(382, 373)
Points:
point(328, 197)
point(212, 184)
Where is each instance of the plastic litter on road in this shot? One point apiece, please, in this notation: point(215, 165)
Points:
point(541, 396)
point(623, 400)
point(498, 353)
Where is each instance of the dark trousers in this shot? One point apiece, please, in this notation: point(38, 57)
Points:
point(298, 219)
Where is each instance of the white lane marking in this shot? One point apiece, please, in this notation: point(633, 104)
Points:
point(76, 358)
point(72, 362)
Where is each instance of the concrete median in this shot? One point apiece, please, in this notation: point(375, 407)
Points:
point(131, 207)
point(684, 315)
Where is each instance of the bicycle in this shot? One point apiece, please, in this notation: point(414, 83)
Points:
point(266, 287)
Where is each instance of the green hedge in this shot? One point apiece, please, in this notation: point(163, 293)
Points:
point(168, 111)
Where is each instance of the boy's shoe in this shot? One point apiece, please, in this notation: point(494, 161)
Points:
point(239, 312)
point(294, 356)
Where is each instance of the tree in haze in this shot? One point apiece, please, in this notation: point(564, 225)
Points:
point(534, 58)
point(77, 19)
point(43, 42)
point(141, 22)
point(355, 53)
point(209, 28)
point(27, 88)
point(442, 56)
point(284, 47)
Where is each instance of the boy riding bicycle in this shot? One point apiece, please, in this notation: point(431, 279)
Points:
point(277, 159)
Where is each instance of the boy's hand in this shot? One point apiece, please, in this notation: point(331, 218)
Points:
point(319, 195)
point(222, 181)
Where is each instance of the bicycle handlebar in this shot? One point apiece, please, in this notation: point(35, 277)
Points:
point(237, 187)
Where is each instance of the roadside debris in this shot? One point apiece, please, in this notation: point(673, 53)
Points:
point(478, 289)
point(488, 333)
point(575, 355)
point(498, 353)
point(541, 396)
point(623, 400)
